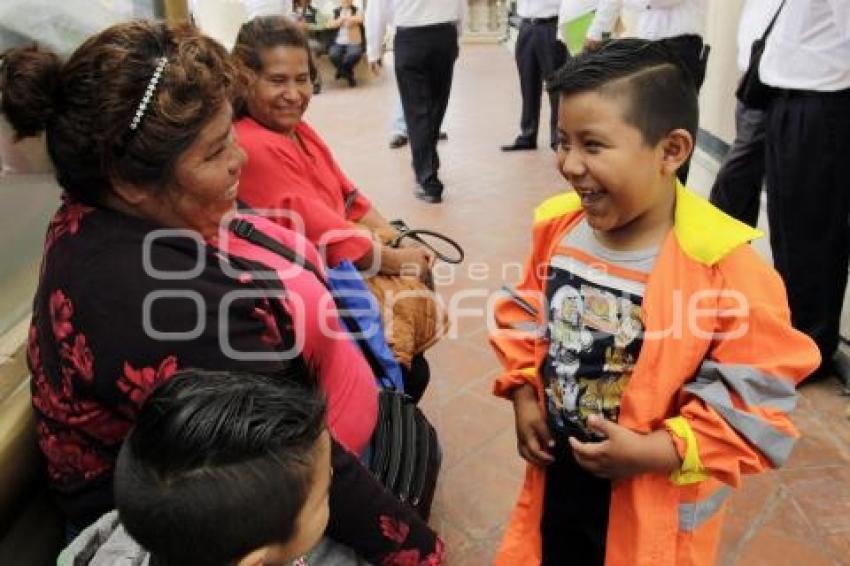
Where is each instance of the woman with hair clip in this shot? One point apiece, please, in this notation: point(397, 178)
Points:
point(148, 269)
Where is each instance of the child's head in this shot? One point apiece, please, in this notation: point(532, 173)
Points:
point(628, 117)
point(346, 3)
point(225, 468)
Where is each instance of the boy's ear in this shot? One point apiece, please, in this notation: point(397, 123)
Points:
point(676, 147)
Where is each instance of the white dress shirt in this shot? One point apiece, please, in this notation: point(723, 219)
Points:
point(657, 19)
point(537, 8)
point(408, 13)
point(755, 17)
point(809, 47)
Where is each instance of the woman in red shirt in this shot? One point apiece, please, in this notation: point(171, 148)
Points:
point(291, 176)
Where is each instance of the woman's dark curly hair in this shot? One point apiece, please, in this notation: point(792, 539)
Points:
point(86, 105)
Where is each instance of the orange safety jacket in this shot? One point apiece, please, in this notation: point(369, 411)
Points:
point(717, 369)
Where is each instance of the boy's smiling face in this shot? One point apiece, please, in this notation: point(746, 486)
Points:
point(626, 185)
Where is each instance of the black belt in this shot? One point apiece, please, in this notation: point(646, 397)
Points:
point(426, 27)
point(536, 21)
point(792, 92)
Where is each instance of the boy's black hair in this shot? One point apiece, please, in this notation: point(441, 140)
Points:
point(218, 464)
point(660, 91)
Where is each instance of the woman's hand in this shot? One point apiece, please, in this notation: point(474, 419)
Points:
point(534, 441)
point(625, 453)
point(412, 243)
point(408, 262)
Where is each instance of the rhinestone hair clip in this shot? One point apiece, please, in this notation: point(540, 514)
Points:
point(140, 111)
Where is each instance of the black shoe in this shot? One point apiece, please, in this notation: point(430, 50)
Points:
point(520, 144)
point(338, 74)
point(352, 82)
point(443, 136)
point(398, 141)
point(431, 193)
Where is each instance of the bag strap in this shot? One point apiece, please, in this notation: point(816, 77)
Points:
point(246, 230)
point(773, 21)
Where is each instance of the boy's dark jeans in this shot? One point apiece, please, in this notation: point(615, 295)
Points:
point(575, 512)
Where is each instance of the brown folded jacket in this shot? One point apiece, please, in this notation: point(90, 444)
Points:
point(413, 318)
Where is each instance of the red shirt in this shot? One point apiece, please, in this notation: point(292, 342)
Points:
point(343, 372)
point(300, 186)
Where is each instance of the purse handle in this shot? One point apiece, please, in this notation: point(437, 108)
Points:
point(406, 232)
point(414, 233)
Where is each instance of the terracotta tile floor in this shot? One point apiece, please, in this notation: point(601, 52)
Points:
point(800, 516)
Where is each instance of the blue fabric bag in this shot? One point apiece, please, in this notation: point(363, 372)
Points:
point(351, 292)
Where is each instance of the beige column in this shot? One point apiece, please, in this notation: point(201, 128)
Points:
point(487, 21)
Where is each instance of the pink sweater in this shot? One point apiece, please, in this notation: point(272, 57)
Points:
point(343, 372)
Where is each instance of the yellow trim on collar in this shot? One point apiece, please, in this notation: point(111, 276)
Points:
point(705, 233)
point(556, 206)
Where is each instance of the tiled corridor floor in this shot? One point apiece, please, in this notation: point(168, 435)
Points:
point(799, 516)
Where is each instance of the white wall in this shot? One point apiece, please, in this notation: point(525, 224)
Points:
point(717, 97)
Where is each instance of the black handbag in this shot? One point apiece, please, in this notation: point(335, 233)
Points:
point(751, 91)
point(405, 453)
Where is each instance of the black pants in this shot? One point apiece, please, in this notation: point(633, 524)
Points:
point(808, 144)
point(689, 48)
point(737, 187)
point(538, 55)
point(575, 513)
point(424, 64)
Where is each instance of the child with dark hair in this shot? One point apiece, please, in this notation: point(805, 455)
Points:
point(660, 363)
point(225, 468)
point(251, 451)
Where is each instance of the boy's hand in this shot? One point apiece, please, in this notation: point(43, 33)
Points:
point(533, 438)
point(625, 453)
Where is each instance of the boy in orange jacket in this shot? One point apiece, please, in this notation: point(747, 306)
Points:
point(650, 356)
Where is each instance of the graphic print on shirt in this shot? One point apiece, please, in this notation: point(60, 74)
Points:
point(595, 333)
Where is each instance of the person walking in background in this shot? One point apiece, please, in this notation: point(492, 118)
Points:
point(426, 46)
point(737, 187)
point(807, 136)
point(538, 54)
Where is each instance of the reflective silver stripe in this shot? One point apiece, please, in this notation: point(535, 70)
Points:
point(692, 515)
point(775, 445)
point(525, 326)
point(756, 388)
